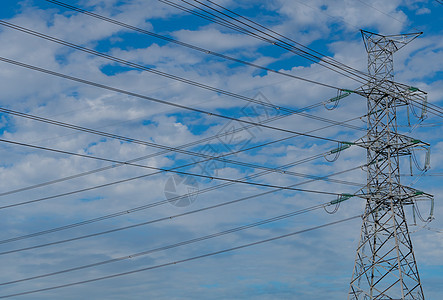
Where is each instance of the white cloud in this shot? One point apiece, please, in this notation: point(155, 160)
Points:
point(423, 11)
point(319, 261)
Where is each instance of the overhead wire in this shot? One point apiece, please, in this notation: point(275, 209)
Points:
point(51, 197)
point(161, 101)
point(168, 148)
point(167, 218)
point(160, 170)
point(179, 261)
point(147, 167)
point(161, 202)
point(175, 245)
point(206, 16)
point(207, 139)
point(187, 45)
point(160, 73)
point(150, 174)
point(318, 55)
point(141, 142)
point(278, 42)
point(206, 51)
point(321, 58)
point(431, 108)
point(427, 174)
point(155, 100)
point(386, 14)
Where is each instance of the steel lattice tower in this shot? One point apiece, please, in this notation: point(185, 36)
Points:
point(385, 266)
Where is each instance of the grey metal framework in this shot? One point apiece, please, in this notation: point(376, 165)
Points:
point(385, 266)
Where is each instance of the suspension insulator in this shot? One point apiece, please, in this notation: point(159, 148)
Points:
point(341, 198)
point(340, 95)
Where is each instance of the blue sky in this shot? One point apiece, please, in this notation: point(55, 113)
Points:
point(313, 265)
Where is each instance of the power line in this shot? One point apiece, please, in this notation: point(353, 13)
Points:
point(157, 154)
point(160, 73)
point(434, 109)
point(206, 51)
point(163, 202)
point(318, 55)
point(340, 199)
point(386, 14)
point(180, 261)
point(273, 39)
point(160, 153)
point(146, 175)
point(309, 51)
point(58, 242)
point(136, 141)
point(322, 57)
point(175, 245)
point(117, 90)
point(148, 167)
point(420, 175)
point(207, 16)
point(144, 157)
point(190, 46)
point(315, 178)
point(154, 204)
point(207, 139)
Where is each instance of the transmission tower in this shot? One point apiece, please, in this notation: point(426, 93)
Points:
point(385, 265)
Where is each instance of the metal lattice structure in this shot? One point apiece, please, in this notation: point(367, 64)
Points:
point(385, 265)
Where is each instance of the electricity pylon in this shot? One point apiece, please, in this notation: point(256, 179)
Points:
point(385, 265)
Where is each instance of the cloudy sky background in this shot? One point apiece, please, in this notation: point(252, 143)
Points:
point(313, 265)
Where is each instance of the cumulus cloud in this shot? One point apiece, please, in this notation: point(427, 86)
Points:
point(289, 268)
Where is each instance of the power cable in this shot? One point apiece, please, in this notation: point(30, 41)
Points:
point(157, 72)
point(117, 90)
point(428, 174)
point(317, 54)
point(136, 141)
point(145, 223)
point(431, 108)
point(274, 40)
point(207, 17)
point(154, 204)
point(146, 175)
point(208, 139)
point(58, 242)
point(206, 51)
point(386, 14)
point(179, 261)
point(315, 178)
point(325, 59)
point(146, 167)
point(183, 243)
point(190, 46)
point(161, 202)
